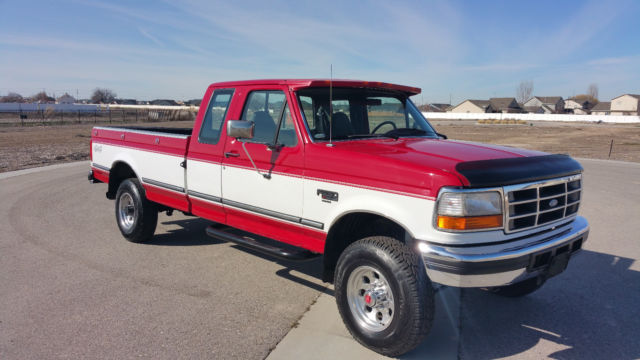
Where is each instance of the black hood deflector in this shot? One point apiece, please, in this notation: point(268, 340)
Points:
point(499, 172)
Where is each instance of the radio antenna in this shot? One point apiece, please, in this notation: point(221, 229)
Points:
point(331, 105)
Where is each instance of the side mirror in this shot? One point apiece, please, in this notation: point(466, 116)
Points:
point(240, 129)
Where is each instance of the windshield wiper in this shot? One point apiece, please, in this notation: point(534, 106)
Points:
point(393, 134)
point(396, 133)
point(364, 136)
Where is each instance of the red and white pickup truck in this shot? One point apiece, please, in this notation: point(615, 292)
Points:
point(352, 171)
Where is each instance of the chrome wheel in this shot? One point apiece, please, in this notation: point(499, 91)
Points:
point(370, 298)
point(126, 211)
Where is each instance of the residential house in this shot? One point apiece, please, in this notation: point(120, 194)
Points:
point(472, 106)
point(164, 102)
point(627, 104)
point(126, 101)
point(440, 107)
point(434, 107)
point(505, 105)
point(66, 99)
point(555, 103)
point(601, 108)
point(577, 106)
point(542, 109)
point(193, 102)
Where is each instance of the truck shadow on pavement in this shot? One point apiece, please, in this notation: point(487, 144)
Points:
point(592, 311)
point(191, 232)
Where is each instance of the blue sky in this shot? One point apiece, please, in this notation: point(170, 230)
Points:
point(462, 49)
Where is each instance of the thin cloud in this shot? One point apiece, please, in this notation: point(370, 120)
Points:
point(146, 34)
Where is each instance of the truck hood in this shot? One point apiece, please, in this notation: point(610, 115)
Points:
point(411, 161)
point(433, 153)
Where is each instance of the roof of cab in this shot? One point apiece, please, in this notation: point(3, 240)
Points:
point(296, 84)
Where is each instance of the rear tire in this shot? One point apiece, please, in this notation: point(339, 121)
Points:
point(136, 216)
point(384, 295)
point(519, 289)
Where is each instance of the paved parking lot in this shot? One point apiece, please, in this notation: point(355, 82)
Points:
point(72, 287)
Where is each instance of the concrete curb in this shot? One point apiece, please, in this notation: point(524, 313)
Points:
point(321, 334)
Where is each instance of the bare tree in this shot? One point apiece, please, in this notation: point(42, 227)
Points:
point(593, 91)
point(12, 97)
point(42, 97)
point(103, 96)
point(524, 91)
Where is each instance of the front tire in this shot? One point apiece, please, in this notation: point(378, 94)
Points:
point(136, 216)
point(384, 295)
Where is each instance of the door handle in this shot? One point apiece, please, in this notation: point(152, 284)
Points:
point(231, 154)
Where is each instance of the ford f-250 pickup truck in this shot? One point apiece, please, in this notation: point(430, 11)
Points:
point(352, 171)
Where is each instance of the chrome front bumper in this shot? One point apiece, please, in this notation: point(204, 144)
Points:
point(503, 264)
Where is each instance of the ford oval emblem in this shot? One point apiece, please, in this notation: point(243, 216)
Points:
point(553, 202)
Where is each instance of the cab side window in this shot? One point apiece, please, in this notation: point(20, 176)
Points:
point(215, 115)
point(268, 109)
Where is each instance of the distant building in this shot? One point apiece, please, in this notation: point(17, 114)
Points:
point(602, 108)
point(66, 99)
point(163, 102)
point(440, 107)
point(193, 102)
point(627, 104)
point(542, 109)
point(126, 101)
point(434, 107)
point(577, 106)
point(472, 106)
point(504, 105)
point(555, 103)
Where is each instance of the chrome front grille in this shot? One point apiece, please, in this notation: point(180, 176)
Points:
point(540, 203)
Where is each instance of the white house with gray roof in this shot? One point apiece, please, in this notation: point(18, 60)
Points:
point(553, 103)
point(472, 106)
point(627, 104)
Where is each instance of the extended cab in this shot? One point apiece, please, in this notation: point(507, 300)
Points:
point(352, 171)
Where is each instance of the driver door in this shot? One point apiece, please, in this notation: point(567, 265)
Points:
point(268, 199)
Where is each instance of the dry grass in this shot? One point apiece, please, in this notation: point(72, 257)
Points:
point(502, 122)
point(26, 147)
point(32, 146)
point(585, 140)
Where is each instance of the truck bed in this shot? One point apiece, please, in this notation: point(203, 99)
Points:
point(150, 129)
point(155, 155)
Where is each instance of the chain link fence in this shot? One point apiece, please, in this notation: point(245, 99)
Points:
point(50, 116)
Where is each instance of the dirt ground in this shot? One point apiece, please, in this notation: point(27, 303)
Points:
point(32, 146)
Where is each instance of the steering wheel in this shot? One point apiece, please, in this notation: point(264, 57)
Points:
point(384, 123)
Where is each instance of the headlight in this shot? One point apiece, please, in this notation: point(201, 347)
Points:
point(469, 210)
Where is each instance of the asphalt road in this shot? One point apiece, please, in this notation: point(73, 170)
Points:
point(72, 287)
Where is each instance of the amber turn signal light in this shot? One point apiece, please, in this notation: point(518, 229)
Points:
point(469, 222)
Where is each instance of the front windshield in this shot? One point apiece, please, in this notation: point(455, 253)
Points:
point(361, 113)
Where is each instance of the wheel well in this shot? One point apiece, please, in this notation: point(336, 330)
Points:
point(119, 172)
point(351, 228)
